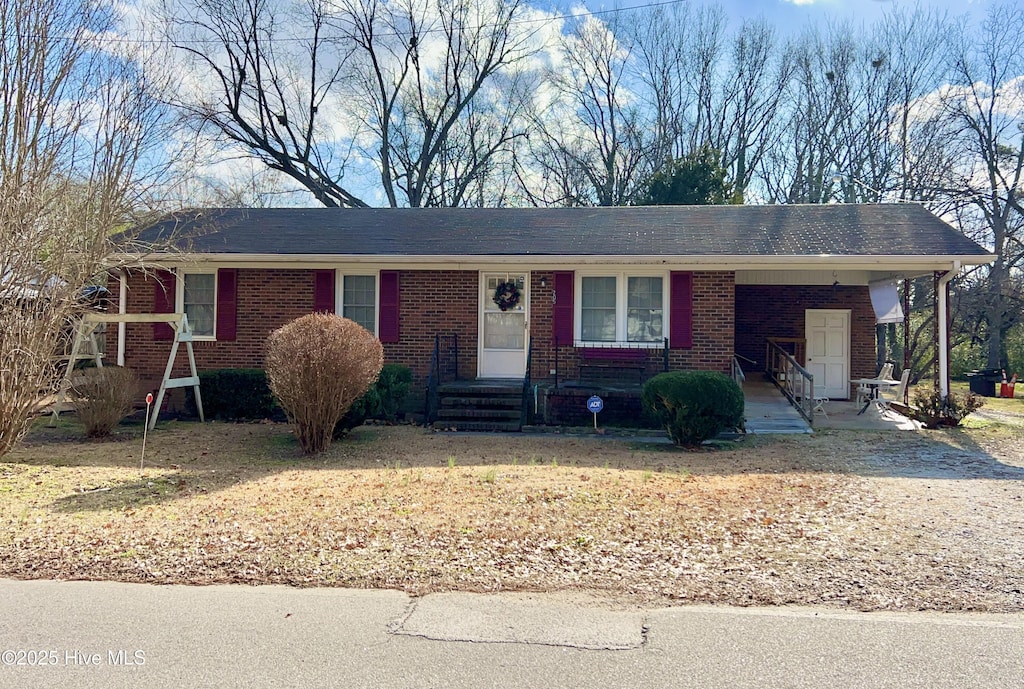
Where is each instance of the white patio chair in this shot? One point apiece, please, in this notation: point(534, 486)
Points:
point(864, 391)
point(883, 402)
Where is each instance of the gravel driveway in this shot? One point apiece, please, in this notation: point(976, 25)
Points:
point(941, 521)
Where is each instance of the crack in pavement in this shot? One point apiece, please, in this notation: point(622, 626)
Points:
point(528, 619)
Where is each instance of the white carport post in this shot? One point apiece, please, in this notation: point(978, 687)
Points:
point(122, 308)
point(942, 298)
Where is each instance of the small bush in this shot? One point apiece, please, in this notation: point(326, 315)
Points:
point(102, 397)
point(382, 401)
point(391, 388)
point(934, 412)
point(694, 406)
point(235, 394)
point(318, 365)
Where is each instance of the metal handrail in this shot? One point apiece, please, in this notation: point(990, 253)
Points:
point(557, 369)
point(524, 415)
point(433, 400)
point(795, 382)
point(736, 371)
point(455, 347)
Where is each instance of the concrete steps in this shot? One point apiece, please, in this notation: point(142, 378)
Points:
point(480, 406)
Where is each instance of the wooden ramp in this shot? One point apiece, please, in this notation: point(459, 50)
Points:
point(767, 411)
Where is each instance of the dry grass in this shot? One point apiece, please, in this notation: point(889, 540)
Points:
point(819, 520)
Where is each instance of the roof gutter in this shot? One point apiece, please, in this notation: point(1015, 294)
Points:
point(472, 262)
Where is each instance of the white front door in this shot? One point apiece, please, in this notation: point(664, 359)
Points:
point(503, 333)
point(828, 351)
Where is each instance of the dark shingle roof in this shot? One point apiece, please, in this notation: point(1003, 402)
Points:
point(796, 230)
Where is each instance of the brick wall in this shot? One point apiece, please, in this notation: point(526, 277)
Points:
point(267, 299)
point(447, 302)
point(433, 302)
point(713, 322)
point(764, 311)
point(714, 300)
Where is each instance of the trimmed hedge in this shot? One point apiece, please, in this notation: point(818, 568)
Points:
point(235, 394)
point(382, 401)
point(694, 406)
point(243, 394)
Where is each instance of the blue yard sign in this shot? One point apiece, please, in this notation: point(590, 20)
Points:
point(595, 404)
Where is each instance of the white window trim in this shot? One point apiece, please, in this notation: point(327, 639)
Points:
point(179, 298)
point(621, 301)
point(339, 293)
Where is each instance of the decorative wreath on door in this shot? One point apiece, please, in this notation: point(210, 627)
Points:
point(506, 295)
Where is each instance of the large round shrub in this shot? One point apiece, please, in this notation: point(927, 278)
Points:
point(317, 366)
point(694, 406)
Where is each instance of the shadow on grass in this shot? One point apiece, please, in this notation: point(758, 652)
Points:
point(187, 459)
point(138, 493)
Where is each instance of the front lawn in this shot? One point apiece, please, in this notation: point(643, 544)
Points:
point(763, 521)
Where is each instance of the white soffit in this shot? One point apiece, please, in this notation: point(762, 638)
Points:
point(802, 277)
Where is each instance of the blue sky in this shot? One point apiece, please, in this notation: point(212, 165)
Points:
point(795, 14)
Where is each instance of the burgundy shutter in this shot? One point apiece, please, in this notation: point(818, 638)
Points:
point(164, 291)
point(323, 291)
point(681, 303)
point(387, 328)
point(227, 304)
point(562, 307)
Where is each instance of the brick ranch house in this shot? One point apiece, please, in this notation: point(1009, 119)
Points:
point(635, 287)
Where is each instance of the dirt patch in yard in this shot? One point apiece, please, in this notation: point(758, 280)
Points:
point(897, 521)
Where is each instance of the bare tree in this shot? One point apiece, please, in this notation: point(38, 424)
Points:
point(660, 41)
point(326, 92)
point(593, 144)
point(914, 50)
point(825, 99)
point(76, 122)
point(276, 76)
point(706, 88)
point(985, 104)
point(747, 114)
point(444, 86)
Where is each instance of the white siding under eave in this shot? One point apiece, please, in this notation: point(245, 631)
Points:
point(802, 277)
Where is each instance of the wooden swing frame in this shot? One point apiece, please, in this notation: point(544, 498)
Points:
point(85, 335)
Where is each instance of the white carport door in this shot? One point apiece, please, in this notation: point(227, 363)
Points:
point(828, 351)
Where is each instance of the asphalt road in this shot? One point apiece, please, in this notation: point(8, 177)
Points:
point(100, 634)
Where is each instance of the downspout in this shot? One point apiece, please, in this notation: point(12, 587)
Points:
point(942, 297)
point(122, 308)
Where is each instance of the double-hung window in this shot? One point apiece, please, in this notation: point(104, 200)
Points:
point(359, 300)
point(199, 299)
point(621, 308)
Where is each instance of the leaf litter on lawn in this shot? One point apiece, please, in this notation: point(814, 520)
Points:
point(771, 521)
